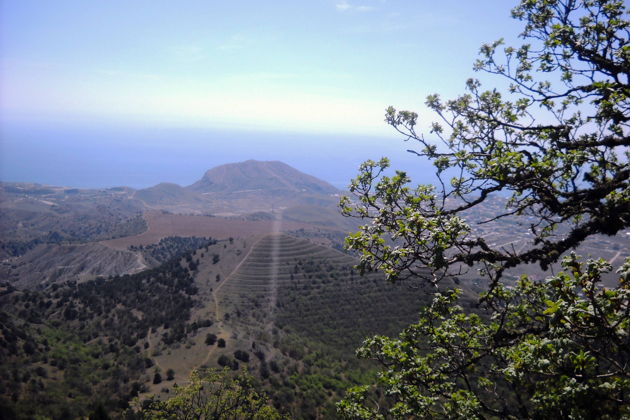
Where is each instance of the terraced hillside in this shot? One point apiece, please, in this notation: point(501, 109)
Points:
point(297, 286)
point(302, 309)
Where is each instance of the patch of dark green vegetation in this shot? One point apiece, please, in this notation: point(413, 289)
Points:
point(51, 371)
point(172, 247)
point(308, 376)
point(72, 348)
point(15, 248)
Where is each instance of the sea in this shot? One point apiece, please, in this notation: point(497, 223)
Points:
point(101, 155)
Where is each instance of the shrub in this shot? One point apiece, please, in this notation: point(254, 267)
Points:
point(211, 339)
point(241, 355)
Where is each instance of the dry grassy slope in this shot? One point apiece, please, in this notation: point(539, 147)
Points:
point(187, 356)
point(49, 263)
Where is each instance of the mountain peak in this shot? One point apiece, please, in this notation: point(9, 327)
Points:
point(254, 175)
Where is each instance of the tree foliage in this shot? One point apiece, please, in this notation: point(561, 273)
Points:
point(210, 394)
point(556, 143)
point(553, 145)
point(559, 349)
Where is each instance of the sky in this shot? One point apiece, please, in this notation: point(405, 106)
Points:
point(326, 69)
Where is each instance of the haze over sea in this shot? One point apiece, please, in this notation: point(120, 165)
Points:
point(97, 155)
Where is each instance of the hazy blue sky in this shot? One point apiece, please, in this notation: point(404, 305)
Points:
point(326, 67)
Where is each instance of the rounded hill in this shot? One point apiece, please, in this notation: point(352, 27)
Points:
point(253, 175)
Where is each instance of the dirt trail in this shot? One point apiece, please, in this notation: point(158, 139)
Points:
point(222, 334)
point(155, 359)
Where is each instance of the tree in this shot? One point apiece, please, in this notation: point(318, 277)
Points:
point(99, 413)
point(556, 144)
point(211, 394)
point(211, 339)
point(565, 171)
point(157, 378)
point(241, 355)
